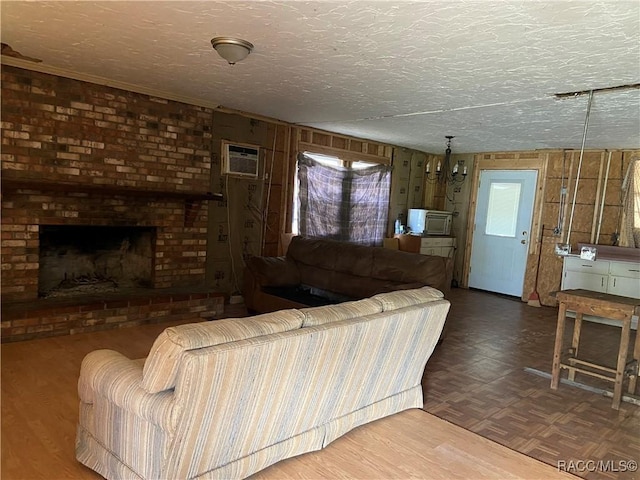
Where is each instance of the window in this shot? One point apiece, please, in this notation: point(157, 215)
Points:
point(502, 211)
point(345, 201)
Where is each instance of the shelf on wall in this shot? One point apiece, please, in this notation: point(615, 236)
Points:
point(193, 200)
point(62, 186)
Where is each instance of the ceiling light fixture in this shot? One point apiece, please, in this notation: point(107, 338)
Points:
point(231, 49)
point(444, 173)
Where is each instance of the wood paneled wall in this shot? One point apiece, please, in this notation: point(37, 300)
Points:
point(596, 182)
point(552, 214)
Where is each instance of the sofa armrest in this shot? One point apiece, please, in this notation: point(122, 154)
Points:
point(274, 271)
point(117, 379)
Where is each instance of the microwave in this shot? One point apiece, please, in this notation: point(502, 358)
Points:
point(429, 222)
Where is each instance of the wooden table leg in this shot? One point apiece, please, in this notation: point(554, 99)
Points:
point(577, 328)
point(622, 361)
point(636, 356)
point(557, 349)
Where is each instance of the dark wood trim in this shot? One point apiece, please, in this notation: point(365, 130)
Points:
point(100, 189)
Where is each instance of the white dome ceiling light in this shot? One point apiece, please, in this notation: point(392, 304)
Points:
point(232, 49)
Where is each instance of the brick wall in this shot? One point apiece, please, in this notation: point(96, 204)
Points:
point(75, 153)
point(20, 322)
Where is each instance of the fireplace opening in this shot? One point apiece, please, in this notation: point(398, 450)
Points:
point(87, 260)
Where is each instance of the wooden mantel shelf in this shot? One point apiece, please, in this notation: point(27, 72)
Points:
point(61, 186)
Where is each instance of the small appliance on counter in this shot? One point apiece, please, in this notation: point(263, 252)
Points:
point(429, 222)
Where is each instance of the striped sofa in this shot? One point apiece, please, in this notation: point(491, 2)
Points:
point(227, 398)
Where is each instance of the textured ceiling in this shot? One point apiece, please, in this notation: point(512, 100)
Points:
point(404, 73)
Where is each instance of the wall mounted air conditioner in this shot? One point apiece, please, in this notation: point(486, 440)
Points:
point(240, 159)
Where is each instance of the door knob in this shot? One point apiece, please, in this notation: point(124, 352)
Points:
point(523, 241)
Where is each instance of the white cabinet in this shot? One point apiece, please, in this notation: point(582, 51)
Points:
point(438, 246)
point(586, 281)
point(585, 274)
point(624, 279)
point(606, 276)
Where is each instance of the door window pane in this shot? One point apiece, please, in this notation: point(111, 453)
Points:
point(502, 211)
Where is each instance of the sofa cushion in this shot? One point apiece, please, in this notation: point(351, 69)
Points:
point(330, 255)
point(405, 298)
point(161, 366)
point(357, 286)
point(334, 313)
point(274, 271)
point(408, 267)
point(390, 286)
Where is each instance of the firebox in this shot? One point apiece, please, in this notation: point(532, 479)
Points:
point(76, 260)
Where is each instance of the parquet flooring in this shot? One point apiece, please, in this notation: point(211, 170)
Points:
point(476, 379)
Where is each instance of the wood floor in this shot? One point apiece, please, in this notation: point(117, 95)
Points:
point(475, 379)
point(412, 444)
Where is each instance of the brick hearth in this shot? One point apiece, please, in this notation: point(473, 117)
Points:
point(64, 316)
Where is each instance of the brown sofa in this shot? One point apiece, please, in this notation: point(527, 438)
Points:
point(318, 272)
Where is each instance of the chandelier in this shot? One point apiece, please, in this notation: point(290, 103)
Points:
point(444, 173)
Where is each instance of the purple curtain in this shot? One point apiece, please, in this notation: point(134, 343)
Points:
point(343, 204)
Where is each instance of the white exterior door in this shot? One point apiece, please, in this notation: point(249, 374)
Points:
point(502, 230)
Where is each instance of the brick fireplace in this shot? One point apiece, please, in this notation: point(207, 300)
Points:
point(77, 260)
point(106, 187)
